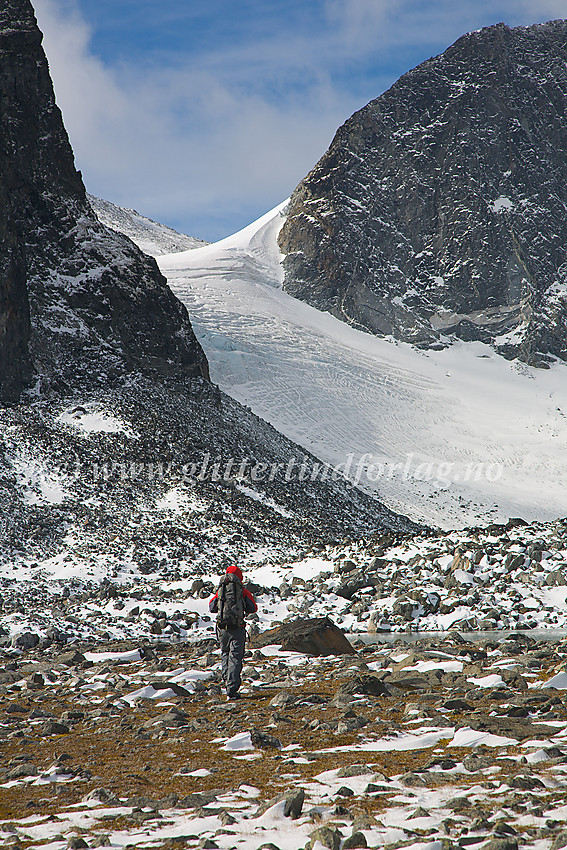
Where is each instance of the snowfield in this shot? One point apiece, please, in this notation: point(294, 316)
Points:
point(453, 437)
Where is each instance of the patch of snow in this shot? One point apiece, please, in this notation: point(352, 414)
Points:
point(240, 741)
point(265, 500)
point(502, 203)
point(493, 681)
point(92, 421)
point(416, 740)
point(467, 737)
point(559, 682)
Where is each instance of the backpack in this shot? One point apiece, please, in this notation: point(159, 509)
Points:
point(231, 602)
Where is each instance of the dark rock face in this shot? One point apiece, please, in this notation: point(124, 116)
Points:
point(97, 307)
point(439, 208)
point(15, 364)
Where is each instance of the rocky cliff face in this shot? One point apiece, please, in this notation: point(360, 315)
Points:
point(78, 300)
point(439, 208)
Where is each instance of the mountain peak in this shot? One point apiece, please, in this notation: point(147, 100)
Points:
point(439, 208)
point(78, 302)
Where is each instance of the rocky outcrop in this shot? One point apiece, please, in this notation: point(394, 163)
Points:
point(316, 636)
point(439, 208)
point(98, 307)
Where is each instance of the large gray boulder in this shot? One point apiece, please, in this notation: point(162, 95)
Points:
point(318, 636)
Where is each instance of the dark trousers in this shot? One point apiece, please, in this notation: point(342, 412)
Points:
point(232, 644)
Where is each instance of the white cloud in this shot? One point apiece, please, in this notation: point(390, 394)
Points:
point(541, 10)
point(184, 143)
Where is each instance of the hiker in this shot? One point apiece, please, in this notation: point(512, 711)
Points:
point(232, 602)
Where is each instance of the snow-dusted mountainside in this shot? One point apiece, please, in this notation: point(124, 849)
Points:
point(450, 437)
point(438, 210)
point(152, 238)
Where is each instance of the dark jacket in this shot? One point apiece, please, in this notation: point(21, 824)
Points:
point(250, 606)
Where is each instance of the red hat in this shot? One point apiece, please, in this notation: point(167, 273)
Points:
point(235, 570)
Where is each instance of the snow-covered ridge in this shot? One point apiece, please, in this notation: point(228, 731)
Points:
point(152, 238)
point(448, 437)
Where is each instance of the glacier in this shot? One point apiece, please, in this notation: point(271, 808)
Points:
point(455, 437)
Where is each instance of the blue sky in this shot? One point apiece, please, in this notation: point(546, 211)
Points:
point(204, 114)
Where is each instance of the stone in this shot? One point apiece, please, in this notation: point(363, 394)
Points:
point(373, 788)
point(353, 770)
point(17, 708)
point(328, 837)
point(21, 771)
point(72, 715)
point(525, 783)
point(294, 804)
point(363, 820)
point(178, 690)
point(556, 578)
point(560, 840)
point(174, 718)
point(508, 843)
point(475, 762)
point(102, 795)
point(25, 641)
point(365, 683)
point(52, 727)
point(459, 804)
point(352, 584)
point(413, 780)
point(54, 635)
point(282, 699)
point(357, 839)
point(344, 791)
point(265, 741)
point(71, 658)
point(317, 636)
point(196, 801)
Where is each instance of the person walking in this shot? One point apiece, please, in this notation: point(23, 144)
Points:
point(231, 603)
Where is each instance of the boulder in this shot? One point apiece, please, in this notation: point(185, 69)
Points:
point(352, 583)
point(318, 636)
point(556, 578)
point(26, 640)
point(325, 835)
point(264, 741)
point(366, 684)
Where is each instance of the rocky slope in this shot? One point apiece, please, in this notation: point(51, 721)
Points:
point(78, 301)
point(151, 237)
point(156, 478)
point(439, 208)
point(134, 745)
